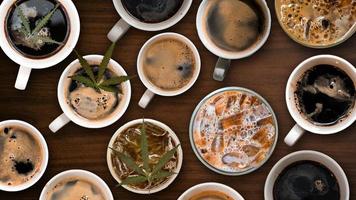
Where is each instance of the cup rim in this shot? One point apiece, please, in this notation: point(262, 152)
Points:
point(272, 175)
point(229, 54)
point(81, 173)
point(212, 184)
point(347, 35)
point(132, 21)
point(81, 121)
point(156, 89)
point(191, 127)
point(37, 134)
point(292, 108)
point(179, 150)
point(41, 63)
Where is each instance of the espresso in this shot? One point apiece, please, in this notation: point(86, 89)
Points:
point(325, 95)
point(89, 102)
point(211, 195)
point(306, 180)
point(75, 188)
point(234, 25)
point(20, 155)
point(169, 64)
point(56, 29)
point(152, 11)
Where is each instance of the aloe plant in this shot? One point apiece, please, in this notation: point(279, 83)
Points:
point(145, 173)
point(98, 82)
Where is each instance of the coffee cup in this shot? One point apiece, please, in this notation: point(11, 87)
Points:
point(27, 63)
point(27, 163)
point(303, 124)
point(74, 177)
point(166, 88)
point(219, 28)
point(129, 20)
point(69, 114)
point(307, 155)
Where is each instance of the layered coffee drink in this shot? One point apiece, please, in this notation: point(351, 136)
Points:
point(234, 25)
point(75, 188)
point(37, 28)
point(152, 11)
point(317, 22)
point(234, 131)
point(21, 155)
point(169, 64)
point(325, 95)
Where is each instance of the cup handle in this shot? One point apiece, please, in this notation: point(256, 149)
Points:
point(119, 29)
point(59, 122)
point(146, 98)
point(221, 68)
point(22, 78)
point(294, 134)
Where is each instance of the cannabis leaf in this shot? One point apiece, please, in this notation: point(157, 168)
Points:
point(97, 82)
point(146, 173)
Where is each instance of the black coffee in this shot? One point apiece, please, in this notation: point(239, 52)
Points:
point(152, 11)
point(325, 94)
point(45, 42)
point(306, 180)
point(234, 25)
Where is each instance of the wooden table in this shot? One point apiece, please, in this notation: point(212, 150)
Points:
point(75, 147)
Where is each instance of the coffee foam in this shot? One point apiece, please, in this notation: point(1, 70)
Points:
point(317, 22)
point(75, 188)
point(234, 131)
point(169, 64)
point(20, 156)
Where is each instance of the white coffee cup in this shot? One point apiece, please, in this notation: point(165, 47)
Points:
point(210, 186)
point(171, 134)
point(38, 136)
point(302, 123)
point(77, 173)
point(127, 20)
point(225, 57)
point(27, 64)
point(151, 88)
point(70, 115)
point(307, 155)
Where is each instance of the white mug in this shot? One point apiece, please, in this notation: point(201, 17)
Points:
point(77, 173)
point(225, 57)
point(307, 155)
point(210, 186)
point(70, 115)
point(38, 136)
point(151, 88)
point(127, 20)
point(27, 64)
point(302, 123)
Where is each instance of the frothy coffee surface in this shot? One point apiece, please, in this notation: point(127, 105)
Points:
point(20, 156)
point(233, 25)
point(325, 95)
point(234, 131)
point(317, 22)
point(75, 189)
point(169, 64)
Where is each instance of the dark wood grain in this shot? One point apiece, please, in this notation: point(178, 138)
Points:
point(75, 147)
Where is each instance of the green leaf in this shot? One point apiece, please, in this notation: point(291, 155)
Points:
point(164, 159)
point(44, 20)
point(116, 80)
point(129, 162)
point(161, 175)
point(24, 21)
point(144, 147)
point(82, 79)
point(86, 66)
point(104, 63)
point(133, 180)
point(108, 88)
point(46, 40)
